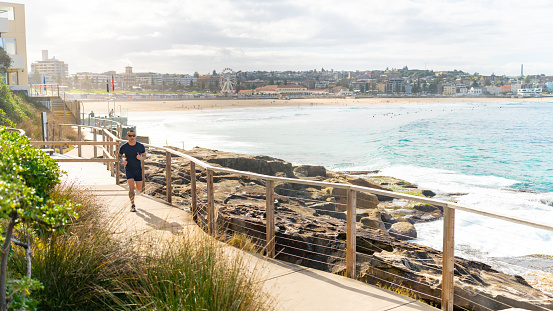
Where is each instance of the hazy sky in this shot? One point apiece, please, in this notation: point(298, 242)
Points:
point(184, 36)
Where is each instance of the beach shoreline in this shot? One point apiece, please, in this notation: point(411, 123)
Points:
point(102, 107)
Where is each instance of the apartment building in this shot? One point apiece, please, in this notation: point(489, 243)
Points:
point(50, 70)
point(13, 41)
point(450, 90)
point(506, 88)
point(395, 85)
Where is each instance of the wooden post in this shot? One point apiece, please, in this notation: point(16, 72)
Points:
point(111, 164)
point(143, 176)
point(95, 139)
point(105, 153)
point(210, 204)
point(351, 234)
point(117, 167)
point(80, 138)
point(193, 191)
point(448, 264)
point(168, 185)
point(61, 138)
point(270, 217)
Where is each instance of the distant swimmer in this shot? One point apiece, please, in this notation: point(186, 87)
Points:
point(134, 152)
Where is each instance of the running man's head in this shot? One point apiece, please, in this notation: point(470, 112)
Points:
point(131, 135)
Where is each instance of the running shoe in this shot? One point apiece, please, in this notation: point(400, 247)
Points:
point(133, 209)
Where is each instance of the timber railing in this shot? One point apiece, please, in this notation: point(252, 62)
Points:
point(205, 209)
point(37, 90)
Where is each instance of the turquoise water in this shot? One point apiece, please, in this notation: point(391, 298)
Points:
point(500, 154)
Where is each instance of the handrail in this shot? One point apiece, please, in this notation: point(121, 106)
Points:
point(21, 131)
point(388, 193)
point(81, 143)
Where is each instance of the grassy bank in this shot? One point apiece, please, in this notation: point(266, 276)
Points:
point(84, 267)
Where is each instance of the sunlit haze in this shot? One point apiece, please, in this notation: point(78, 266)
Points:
point(183, 36)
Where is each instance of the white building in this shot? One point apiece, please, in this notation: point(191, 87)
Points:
point(149, 78)
point(475, 91)
point(533, 92)
point(51, 70)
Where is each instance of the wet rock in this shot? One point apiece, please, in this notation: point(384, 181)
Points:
point(310, 171)
point(364, 200)
point(428, 193)
point(368, 222)
point(403, 231)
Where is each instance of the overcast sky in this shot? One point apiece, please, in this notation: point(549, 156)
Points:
point(184, 36)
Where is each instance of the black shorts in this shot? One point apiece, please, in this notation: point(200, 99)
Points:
point(134, 174)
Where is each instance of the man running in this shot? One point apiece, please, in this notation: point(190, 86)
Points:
point(134, 153)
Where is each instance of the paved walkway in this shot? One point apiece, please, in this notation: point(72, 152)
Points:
point(295, 287)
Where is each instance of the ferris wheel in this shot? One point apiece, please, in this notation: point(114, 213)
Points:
point(228, 81)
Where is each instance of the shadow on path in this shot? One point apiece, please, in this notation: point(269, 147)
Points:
point(158, 223)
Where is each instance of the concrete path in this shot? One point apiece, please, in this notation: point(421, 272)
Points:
point(294, 287)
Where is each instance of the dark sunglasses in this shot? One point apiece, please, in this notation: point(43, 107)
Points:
point(131, 135)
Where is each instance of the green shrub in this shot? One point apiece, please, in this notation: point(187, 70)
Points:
point(27, 178)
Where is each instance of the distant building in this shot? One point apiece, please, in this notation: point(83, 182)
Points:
point(89, 80)
point(129, 78)
point(506, 88)
point(13, 41)
point(269, 90)
point(531, 92)
point(148, 78)
point(475, 91)
point(395, 85)
point(450, 90)
point(50, 70)
point(292, 90)
point(493, 90)
point(549, 86)
point(318, 92)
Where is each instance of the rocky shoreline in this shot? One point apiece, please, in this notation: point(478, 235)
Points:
point(310, 227)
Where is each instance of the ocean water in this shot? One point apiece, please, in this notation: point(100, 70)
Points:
point(499, 155)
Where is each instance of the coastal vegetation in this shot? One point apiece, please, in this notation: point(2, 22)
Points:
point(85, 267)
point(27, 180)
point(17, 109)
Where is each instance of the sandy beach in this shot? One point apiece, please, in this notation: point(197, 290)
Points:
point(101, 107)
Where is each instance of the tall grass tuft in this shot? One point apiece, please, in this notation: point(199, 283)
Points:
point(76, 264)
point(192, 274)
point(243, 242)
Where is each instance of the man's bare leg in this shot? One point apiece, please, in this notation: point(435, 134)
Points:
point(138, 185)
point(131, 183)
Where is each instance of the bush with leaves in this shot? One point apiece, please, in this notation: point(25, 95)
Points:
point(27, 178)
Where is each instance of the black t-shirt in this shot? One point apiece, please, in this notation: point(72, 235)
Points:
point(130, 153)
